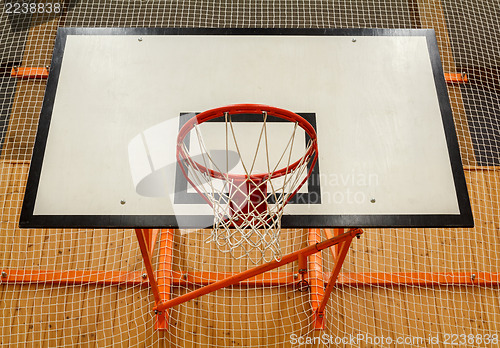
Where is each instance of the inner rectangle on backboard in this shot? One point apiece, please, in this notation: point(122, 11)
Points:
point(263, 146)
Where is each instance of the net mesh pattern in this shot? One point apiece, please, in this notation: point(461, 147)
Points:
point(74, 312)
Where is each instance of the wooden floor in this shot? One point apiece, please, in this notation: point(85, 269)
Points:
point(111, 315)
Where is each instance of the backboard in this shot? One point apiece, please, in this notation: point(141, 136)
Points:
point(116, 98)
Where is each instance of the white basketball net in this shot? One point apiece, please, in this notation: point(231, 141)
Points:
point(247, 200)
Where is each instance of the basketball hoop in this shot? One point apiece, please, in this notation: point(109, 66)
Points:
point(248, 200)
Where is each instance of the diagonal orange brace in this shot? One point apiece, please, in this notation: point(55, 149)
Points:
point(320, 312)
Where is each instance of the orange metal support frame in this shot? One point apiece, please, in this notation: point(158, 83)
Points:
point(237, 278)
point(161, 281)
point(320, 283)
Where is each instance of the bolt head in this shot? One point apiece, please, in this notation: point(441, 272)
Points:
point(144, 276)
point(4, 274)
point(372, 200)
point(353, 40)
point(122, 202)
point(139, 39)
point(295, 276)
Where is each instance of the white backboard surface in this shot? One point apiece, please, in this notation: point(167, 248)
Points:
point(116, 98)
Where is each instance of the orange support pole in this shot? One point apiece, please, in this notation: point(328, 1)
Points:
point(351, 279)
point(106, 278)
point(30, 73)
point(152, 239)
point(456, 77)
point(429, 279)
point(72, 277)
point(312, 249)
point(165, 274)
point(302, 265)
point(328, 233)
point(315, 274)
point(333, 278)
point(142, 238)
